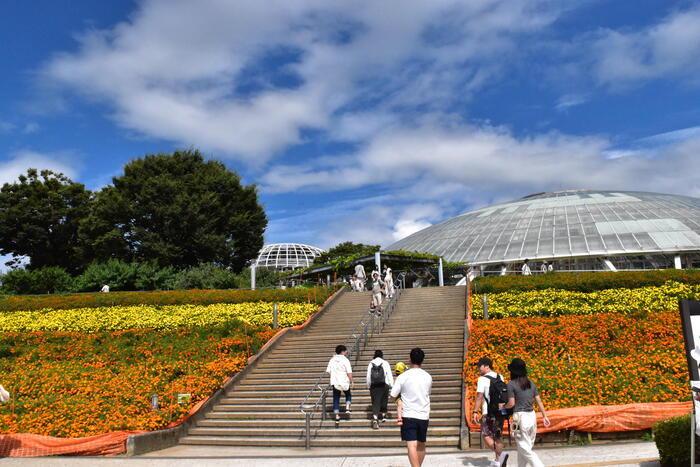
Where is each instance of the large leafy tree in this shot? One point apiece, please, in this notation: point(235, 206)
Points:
point(39, 219)
point(176, 210)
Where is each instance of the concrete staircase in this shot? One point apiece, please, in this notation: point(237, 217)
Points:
point(263, 408)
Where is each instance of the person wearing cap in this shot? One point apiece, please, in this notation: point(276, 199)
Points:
point(491, 424)
point(521, 392)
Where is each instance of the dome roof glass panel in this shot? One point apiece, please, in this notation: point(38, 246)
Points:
point(572, 223)
point(285, 256)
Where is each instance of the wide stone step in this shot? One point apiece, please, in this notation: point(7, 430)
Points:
point(300, 422)
point(267, 415)
point(294, 391)
point(344, 431)
point(445, 357)
point(359, 397)
point(376, 441)
point(284, 383)
point(293, 406)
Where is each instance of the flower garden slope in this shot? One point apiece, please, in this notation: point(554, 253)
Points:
point(555, 302)
point(152, 317)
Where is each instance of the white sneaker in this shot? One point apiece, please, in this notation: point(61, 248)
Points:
point(347, 407)
point(502, 459)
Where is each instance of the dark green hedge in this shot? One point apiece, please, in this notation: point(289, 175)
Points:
point(672, 438)
point(316, 295)
point(584, 281)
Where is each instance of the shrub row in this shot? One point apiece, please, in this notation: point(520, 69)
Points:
point(556, 302)
point(672, 439)
point(585, 281)
point(317, 296)
point(120, 275)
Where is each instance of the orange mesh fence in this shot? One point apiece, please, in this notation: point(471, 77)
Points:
point(27, 445)
point(602, 418)
point(112, 443)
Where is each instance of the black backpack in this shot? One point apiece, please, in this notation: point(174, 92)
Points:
point(376, 376)
point(498, 394)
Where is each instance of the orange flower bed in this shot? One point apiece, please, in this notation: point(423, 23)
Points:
point(71, 384)
point(603, 359)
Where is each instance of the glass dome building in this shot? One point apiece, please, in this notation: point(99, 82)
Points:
point(286, 256)
point(574, 229)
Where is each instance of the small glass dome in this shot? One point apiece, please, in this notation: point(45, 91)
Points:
point(286, 256)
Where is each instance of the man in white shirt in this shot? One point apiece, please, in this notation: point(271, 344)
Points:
point(526, 268)
point(379, 382)
point(414, 386)
point(340, 370)
point(491, 425)
point(361, 276)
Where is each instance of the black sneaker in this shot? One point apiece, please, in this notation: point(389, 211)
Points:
point(337, 422)
point(383, 419)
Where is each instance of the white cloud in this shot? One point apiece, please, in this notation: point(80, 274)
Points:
point(670, 47)
point(31, 127)
point(172, 70)
point(19, 161)
point(570, 100)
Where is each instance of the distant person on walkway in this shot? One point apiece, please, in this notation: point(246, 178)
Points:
point(389, 282)
point(354, 284)
point(361, 276)
point(504, 269)
point(377, 292)
point(550, 267)
point(379, 382)
point(521, 392)
point(491, 423)
point(526, 268)
point(414, 386)
point(340, 370)
point(105, 288)
point(543, 268)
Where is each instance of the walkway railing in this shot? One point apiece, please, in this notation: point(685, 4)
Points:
point(370, 324)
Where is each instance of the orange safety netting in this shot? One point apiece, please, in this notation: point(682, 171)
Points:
point(592, 418)
point(112, 443)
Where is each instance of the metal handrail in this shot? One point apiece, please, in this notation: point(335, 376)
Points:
point(369, 324)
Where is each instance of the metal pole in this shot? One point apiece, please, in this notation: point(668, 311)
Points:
point(692, 436)
point(378, 262)
point(308, 431)
point(485, 301)
point(275, 314)
point(252, 277)
point(323, 404)
point(441, 280)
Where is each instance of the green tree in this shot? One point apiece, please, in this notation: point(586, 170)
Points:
point(39, 219)
point(176, 210)
point(346, 249)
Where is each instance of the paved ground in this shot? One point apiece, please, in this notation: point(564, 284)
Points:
point(619, 454)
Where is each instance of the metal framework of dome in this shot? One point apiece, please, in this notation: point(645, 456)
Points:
point(286, 256)
point(637, 230)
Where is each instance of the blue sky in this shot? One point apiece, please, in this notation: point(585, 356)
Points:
point(360, 120)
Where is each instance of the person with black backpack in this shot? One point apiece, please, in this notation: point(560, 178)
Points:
point(491, 390)
point(379, 381)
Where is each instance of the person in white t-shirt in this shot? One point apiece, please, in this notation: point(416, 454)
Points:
point(491, 424)
point(526, 268)
point(414, 386)
point(340, 371)
point(105, 288)
point(361, 276)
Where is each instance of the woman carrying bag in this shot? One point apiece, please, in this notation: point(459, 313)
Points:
point(521, 393)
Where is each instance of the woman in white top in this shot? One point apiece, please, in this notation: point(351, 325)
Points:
point(379, 381)
point(340, 371)
point(389, 282)
point(377, 292)
point(526, 268)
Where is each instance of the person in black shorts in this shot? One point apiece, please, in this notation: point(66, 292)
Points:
point(414, 386)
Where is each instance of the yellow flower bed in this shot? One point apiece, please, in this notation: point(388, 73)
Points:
point(152, 317)
point(555, 302)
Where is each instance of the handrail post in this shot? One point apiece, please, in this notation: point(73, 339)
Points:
point(307, 444)
point(324, 396)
